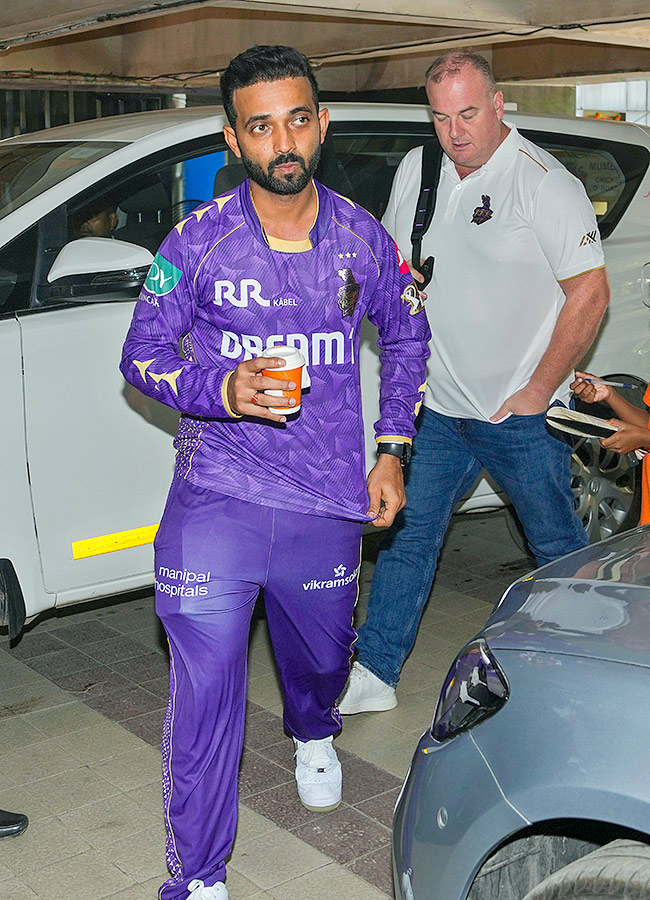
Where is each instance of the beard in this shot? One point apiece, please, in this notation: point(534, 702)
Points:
point(292, 183)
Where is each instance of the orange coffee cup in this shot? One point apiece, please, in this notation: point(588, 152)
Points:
point(294, 370)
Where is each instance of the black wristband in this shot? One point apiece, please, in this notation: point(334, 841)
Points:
point(402, 451)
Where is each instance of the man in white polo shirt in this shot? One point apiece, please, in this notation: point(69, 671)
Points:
point(518, 291)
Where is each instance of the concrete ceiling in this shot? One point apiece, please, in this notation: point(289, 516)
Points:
point(356, 46)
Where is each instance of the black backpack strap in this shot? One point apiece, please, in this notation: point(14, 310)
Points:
point(425, 207)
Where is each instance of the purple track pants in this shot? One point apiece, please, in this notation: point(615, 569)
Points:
point(212, 555)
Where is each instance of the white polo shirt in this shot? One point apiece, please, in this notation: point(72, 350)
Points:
point(502, 237)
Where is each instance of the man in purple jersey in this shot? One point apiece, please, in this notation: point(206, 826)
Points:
point(261, 499)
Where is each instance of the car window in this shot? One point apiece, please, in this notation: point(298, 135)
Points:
point(17, 260)
point(369, 158)
point(369, 154)
point(28, 169)
point(144, 205)
point(152, 196)
point(140, 205)
point(610, 171)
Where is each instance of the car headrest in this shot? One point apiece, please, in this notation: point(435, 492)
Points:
point(149, 199)
point(228, 177)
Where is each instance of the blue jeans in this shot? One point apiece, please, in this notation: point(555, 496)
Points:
point(448, 456)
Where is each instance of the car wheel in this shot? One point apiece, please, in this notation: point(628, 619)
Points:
point(617, 871)
point(606, 485)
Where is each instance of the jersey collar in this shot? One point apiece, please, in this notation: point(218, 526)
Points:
point(498, 162)
point(503, 155)
point(318, 229)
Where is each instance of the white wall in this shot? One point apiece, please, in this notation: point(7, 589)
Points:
point(629, 97)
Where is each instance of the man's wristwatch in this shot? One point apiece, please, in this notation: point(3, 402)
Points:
point(402, 451)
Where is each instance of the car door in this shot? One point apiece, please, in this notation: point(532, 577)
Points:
point(100, 454)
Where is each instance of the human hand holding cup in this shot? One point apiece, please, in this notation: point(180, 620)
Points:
point(256, 383)
point(294, 370)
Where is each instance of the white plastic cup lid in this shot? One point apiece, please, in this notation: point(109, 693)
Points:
point(292, 355)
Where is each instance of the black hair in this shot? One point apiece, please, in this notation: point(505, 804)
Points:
point(263, 63)
point(92, 209)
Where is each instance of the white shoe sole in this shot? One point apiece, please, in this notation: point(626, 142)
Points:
point(368, 706)
point(312, 808)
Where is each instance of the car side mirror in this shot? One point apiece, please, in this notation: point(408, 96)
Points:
point(95, 268)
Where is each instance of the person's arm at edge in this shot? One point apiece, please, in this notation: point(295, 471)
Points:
point(631, 425)
point(605, 393)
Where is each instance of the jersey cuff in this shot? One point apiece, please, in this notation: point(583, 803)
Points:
point(393, 439)
point(224, 398)
point(578, 274)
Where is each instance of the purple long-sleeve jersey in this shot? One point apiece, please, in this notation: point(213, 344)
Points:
point(221, 291)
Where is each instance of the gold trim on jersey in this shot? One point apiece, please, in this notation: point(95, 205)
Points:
point(198, 215)
point(224, 397)
point(279, 244)
point(283, 246)
point(347, 199)
point(334, 219)
point(221, 201)
point(393, 439)
point(533, 159)
point(223, 237)
point(586, 271)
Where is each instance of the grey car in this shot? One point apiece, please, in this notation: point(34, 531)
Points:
point(533, 780)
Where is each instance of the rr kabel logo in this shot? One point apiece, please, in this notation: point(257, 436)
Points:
point(249, 289)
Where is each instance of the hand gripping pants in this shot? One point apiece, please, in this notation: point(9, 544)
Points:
point(212, 555)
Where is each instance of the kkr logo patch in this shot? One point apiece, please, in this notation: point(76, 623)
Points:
point(589, 238)
point(483, 213)
point(348, 294)
point(163, 276)
point(413, 297)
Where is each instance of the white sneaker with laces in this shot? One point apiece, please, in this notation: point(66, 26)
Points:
point(198, 891)
point(364, 692)
point(318, 775)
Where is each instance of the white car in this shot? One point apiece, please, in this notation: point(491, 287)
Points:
point(86, 460)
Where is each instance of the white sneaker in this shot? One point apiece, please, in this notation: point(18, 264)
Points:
point(364, 692)
point(318, 775)
point(198, 891)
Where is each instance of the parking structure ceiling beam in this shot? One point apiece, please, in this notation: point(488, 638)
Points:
point(105, 42)
point(36, 21)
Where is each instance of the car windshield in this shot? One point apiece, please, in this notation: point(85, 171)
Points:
point(27, 170)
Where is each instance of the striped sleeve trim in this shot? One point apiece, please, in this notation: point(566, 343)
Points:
point(393, 439)
point(224, 398)
point(578, 274)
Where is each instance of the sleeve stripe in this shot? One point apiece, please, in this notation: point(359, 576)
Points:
point(393, 439)
point(224, 398)
point(586, 271)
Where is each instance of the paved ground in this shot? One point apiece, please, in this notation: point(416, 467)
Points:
point(82, 697)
